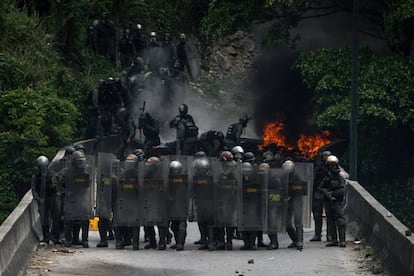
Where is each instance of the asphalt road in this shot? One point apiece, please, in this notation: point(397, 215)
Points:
point(315, 259)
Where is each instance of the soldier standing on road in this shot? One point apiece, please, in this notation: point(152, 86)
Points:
point(151, 130)
point(73, 175)
point(297, 189)
point(318, 198)
point(45, 194)
point(140, 41)
point(333, 188)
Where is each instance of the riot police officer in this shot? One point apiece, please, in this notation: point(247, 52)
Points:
point(297, 188)
point(140, 40)
point(234, 132)
point(333, 188)
point(105, 37)
point(187, 131)
point(128, 183)
point(152, 55)
point(183, 50)
point(151, 130)
point(45, 194)
point(168, 56)
point(179, 223)
point(74, 175)
point(318, 197)
point(126, 128)
point(126, 49)
point(238, 153)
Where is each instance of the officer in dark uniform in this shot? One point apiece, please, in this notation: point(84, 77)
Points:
point(234, 132)
point(45, 194)
point(318, 197)
point(187, 131)
point(126, 49)
point(105, 37)
point(152, 54)
point(333, 188)
point(140, 41)
point(90, 39)
point(212, 142)
point(297, 188)
point(168, 53)
point(151, 130)
point(182, 56)
point(126, 129)
point(179, 227)
point(78, 167)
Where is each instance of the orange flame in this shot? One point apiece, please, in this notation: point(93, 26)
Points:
point(273, 133)
point(309, 145)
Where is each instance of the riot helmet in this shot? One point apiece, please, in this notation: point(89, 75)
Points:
point(175, 167)
point(42, 161)
point(153, 38)
point(226, 156)
point(69, 150)
point(238, 153)
point(78, 159)
point(183, 109)
point(126, 32)
point(201, 166)
point(288, 166)
point(139, 27)
point(249, 157)
point(131, 162)
point(104, 17)
point(182, 37)
point(243, 119)
point(325, 155)
point(332, 162)
point(268, 156)
point(80, 147)
point(110, 80)
point(139, 63)
point(153, 161)
point(263, 167)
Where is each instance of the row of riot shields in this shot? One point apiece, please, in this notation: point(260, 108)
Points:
point(218, 192)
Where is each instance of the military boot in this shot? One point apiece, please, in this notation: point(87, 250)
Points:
point(229, 238)
point(318, 228)
point(181, 240)
point(341, 232)
point(102, 227)
point(211, 239)
point(334, 237)
point(274, 244)
point(299, 233)
point(68, 235)
point(119, 244)
point(135, 238)
point(260, 239)
point(292, 235)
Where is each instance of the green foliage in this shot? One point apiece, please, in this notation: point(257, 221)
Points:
point(225, 17)
point(8, 199)
point(385, 116)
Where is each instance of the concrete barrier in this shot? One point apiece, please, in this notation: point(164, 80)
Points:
point(384, 232)
point(19, 237)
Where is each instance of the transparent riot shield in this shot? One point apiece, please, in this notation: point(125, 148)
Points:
point(253, 199)
point(277, 200)
point(227, 186)
point(153, 200)
point(178, 190)
point(202, 190)
point(126, 195)
point(104, 176)
point(78, 203)
point(305, 172)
